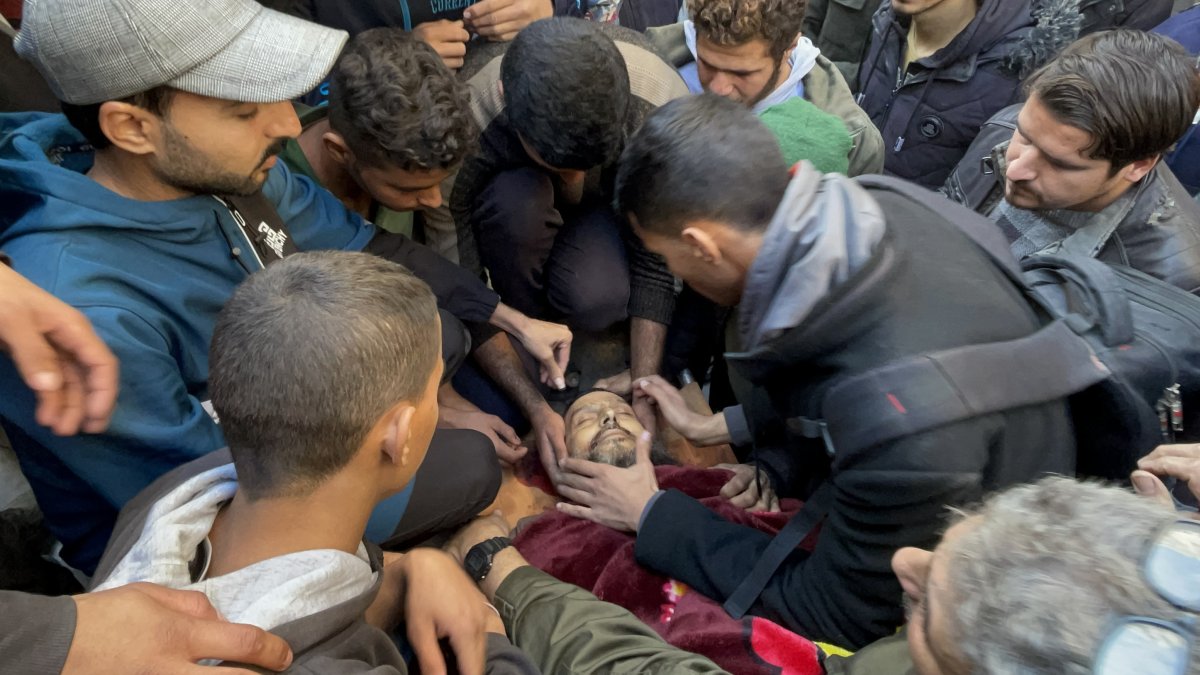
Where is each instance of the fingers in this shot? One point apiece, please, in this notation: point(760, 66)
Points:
point(642, 449)
point(470, 647)
point(1184, 468)
point(577, 511)
point(512, 454)
point(736, 485)
point(506, 432)
point(1148, 485)
point(553, 372)
point(423, 638)
point(240, 643)
point(1190, 450)
point(582, 467)
point(71, 413)
point(480, 10)
point(39, 366)
point(562, 354)
point(76, 339)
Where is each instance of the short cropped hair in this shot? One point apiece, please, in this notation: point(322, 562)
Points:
point(1135, 93)
point(306, 357)
point(731, 23)
point(1037, 581)
point(566, 92)
point(397, 104)
point(86, 118)
point(701, 157)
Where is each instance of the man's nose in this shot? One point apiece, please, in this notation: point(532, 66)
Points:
point(721, 85)
point(609, 418)
point(284, 122)
point(1020, 166)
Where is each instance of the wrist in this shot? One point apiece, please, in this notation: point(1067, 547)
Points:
point(504, 563)
point(509, 320)
point(710, 430)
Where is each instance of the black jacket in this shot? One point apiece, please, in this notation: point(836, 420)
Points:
point(1160, 235)
point(929, 113)
point(841, 29)
point(927, 287)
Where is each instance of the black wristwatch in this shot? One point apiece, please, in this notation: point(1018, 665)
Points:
point(478, 561)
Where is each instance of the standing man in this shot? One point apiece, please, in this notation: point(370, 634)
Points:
point(938, 69)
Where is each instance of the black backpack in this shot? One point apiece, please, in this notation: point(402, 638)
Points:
point(1121, 346)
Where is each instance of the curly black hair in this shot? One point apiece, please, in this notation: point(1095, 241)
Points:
point(735, 22)
point(396, 103)
point(566, 91)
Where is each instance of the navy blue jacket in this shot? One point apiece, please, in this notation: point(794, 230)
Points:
point(929, 113)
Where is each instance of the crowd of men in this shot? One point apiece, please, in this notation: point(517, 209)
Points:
point(280, 300)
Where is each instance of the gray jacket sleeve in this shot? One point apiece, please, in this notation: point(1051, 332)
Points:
point(565, 629)
point(35, 633)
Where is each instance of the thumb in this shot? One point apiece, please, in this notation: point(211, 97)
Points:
point(36, 360)
point(643, 449)
point(1148, 485)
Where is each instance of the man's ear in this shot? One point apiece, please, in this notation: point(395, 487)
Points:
point(1137, 170)
point(701, 244)
point(130, 128)
point(397, 432)
point(336, 146)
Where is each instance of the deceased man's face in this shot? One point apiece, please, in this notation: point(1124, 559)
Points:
point(601, 427)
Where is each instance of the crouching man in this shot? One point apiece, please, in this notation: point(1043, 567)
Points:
point(831, 277)
point(325, 369)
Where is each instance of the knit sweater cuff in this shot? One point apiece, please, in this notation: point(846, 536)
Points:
point(651, 302)
point(35, 633)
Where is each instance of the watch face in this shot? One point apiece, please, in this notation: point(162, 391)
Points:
point(476, 564)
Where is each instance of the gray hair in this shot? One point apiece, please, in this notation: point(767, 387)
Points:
point(307, 355)
point(1045, 569)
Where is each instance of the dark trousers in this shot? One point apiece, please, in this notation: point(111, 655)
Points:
point(459, 477)
point(566, 265)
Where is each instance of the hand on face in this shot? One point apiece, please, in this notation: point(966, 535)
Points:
point(602, 427)
point(151, 629)
point(609, 495)
point(58, 355)
point(1178, 461)
point(550, 432)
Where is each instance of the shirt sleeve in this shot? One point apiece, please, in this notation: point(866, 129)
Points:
point(35, 633)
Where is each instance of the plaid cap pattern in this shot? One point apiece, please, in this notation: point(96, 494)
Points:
point(91, 51)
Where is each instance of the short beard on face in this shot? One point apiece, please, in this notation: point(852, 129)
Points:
point(769, 87)
point(187, 168)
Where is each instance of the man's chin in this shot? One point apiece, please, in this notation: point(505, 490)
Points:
point(1020, 198)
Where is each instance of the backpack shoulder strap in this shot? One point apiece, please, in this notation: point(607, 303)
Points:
point(926, 391)
point(785, 542)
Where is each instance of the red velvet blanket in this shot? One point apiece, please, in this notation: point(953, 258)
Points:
point(601, 560)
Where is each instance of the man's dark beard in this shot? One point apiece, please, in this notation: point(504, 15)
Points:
point(770, 85)
point(189, 173)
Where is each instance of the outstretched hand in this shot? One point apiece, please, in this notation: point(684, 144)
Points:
point(59, 357)
point(608, 495)
point(550, 344)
